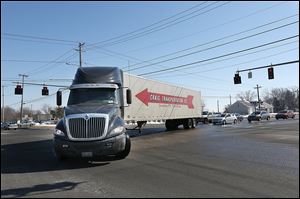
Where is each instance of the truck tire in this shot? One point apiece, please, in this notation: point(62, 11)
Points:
point(188, 124)
point(126, 151)
point(171, 125)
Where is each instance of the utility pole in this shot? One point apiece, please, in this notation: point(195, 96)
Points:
point(230, 99)
point(218, 105)
point(3, 104)
point(80, 50)
point(257, 88)
point(21, 112)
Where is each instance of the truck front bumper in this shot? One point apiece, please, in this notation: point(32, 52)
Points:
point(89, 149)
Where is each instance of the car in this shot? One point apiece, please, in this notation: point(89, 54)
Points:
point(285, 114)
point(225, 118)
point(8, 126)
point(239, 116)
point(258, 115)
point(211, 116)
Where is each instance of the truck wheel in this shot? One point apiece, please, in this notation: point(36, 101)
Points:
point(188, 124)
point(171, 125)
point(126, 151)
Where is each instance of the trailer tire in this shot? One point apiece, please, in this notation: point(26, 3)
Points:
point(171, 125)
point(188, 124)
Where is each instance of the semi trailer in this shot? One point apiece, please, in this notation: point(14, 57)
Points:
point(103, 100)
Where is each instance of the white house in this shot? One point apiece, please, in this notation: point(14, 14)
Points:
point(245, 107)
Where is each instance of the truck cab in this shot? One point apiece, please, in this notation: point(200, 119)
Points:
point(92, 126)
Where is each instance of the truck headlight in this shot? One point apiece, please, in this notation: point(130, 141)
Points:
point(58, 132)
point(118, 130)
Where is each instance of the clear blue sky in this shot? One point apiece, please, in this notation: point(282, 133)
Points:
point(92, 22)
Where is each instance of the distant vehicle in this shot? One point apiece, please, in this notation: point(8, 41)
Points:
point(204, 118)
point(225, 118)
point(8, 126)
point(285, 114)
point(211, 116)
point(239, 116)
point(258, 115)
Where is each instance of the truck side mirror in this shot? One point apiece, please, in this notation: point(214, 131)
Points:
point(128, 96)
point(58, 98)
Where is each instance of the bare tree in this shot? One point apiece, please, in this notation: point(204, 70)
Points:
point(247, 95)
point(46, 109)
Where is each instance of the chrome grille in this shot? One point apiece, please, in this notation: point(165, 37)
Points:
point(80, 128)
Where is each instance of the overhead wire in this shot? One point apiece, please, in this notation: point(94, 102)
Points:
point(217, 57)
point(139, 29)
point(155, 29)
point(219, 39)
point(216, 46)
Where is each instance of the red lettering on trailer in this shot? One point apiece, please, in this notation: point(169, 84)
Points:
point(149, 97)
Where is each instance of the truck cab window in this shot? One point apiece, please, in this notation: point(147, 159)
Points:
point(99, 96)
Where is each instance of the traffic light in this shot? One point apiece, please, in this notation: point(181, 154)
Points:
point(271, 73)
point(58, 98)
point(18, 90)
point(45, 91)
point(237, 79)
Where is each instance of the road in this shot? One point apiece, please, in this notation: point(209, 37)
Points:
point(260, 159)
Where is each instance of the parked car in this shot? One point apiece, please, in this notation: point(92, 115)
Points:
point(239, 117)
point(225, 118)
point(211, 116)
point(258, 115)
point(285, 114)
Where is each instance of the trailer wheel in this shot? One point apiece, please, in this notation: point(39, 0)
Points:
point(188, 124)
point(171, 125)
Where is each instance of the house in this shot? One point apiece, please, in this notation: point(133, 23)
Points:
point(245, 107)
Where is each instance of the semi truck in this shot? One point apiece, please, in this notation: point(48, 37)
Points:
point(103, 100)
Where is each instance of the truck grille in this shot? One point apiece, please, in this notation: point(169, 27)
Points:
point(81, 128)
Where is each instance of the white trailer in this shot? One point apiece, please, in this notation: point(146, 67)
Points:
point(157, 101)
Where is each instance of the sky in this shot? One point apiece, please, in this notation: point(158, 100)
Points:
point(194, 44)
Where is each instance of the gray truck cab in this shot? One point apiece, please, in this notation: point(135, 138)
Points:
point(93, 124)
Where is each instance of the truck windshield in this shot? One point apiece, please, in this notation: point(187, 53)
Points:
point(98, 96)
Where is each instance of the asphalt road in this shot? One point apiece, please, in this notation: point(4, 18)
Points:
point(260, 159)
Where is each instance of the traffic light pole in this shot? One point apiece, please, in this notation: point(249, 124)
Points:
point(21, 112)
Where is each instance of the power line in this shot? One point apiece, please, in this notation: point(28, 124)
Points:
point(228, 36)
point(28, 40)
point(213, 27)
point(198, 72)
point(36, 61)
point(217, 57)
point(39, 38)
point(155, 29)
point(139, 29)
point(219, 45)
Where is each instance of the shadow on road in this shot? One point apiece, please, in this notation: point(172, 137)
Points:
point(37, 156)
point(45, 188)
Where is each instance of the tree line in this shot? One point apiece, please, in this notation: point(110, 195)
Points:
point(280, 98)
point(11, 114)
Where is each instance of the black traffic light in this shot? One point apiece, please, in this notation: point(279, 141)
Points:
point(271, 73)
point(237, 79)
point(45, 91)
point(18, 90)
point(58, 98)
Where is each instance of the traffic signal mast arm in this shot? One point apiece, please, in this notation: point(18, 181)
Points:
point(272, 65)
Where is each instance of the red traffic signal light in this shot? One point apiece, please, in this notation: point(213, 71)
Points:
point(237, 79)
point(270, 73)
point(18, 90)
